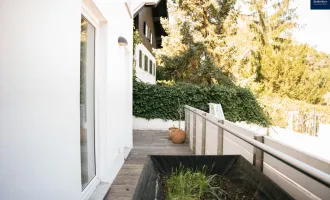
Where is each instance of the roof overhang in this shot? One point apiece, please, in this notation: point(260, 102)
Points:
point(139, 8)
point(159, 10)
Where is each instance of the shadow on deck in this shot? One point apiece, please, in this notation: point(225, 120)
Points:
point(144, 143)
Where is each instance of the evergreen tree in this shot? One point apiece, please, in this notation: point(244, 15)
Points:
point(266, 29)
point(278, 64)
point(195, 49)
point(216, 41)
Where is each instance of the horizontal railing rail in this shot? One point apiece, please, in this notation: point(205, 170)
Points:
point(304, 168)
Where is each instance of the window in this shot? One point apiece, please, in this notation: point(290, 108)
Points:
point(146, 63)
point(87, 131)
point(147, 32)
point(145, 28)
point(140, 58)
point(154, 69)
point(150, 66)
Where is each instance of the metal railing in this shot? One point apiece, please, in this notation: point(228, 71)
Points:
point(259, 147)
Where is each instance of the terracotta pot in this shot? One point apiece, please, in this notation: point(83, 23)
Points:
point(178, 136)
point(170, 130)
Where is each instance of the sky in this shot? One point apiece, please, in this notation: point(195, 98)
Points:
point(317, 26)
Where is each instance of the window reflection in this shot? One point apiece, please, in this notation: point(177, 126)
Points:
point(87, 137)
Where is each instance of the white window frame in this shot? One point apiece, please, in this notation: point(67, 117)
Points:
point(150, 67)
point(147, 32)
point(140, 56)
point(145, 29)
point(154, 69)
point(94, 16)
point(146, 63)
point(141, 73)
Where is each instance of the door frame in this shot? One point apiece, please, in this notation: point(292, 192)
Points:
point(94, 16)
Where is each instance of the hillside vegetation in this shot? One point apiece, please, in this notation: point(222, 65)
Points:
point(299, 115)
point(215, 42)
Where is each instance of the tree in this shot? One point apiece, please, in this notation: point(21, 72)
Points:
point(213, 42)
point(271, 62)
point(195, 49)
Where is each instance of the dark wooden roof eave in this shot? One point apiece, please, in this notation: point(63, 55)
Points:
point(151, 4)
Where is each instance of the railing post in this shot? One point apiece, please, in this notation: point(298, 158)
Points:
point(194, 133)
point(220, 139)
point(185, 120)
point(203, 135)
point(258, 154)
point(187, 124)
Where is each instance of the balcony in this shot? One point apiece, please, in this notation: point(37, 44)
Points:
point(145, 143)
point(301, 175)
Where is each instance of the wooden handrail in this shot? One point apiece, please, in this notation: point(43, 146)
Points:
point(304, 168)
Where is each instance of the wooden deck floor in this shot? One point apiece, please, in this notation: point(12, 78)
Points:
point(145, 143)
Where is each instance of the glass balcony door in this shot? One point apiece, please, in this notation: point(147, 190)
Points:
point(87, 87)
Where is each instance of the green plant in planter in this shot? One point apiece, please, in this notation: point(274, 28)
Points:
point(187, 184)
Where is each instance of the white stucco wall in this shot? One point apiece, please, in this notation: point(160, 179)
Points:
point(117, 91)
point(144, 76)
point(39, 90)
point(39, 104)
point(324, 132)
point(141, 74)
point(155, 124)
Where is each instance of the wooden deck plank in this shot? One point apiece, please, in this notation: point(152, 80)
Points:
point(145, 143)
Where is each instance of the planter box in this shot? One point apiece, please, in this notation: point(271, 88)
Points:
point(234, 167)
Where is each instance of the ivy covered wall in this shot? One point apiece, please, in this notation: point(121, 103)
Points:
point(164, 101)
